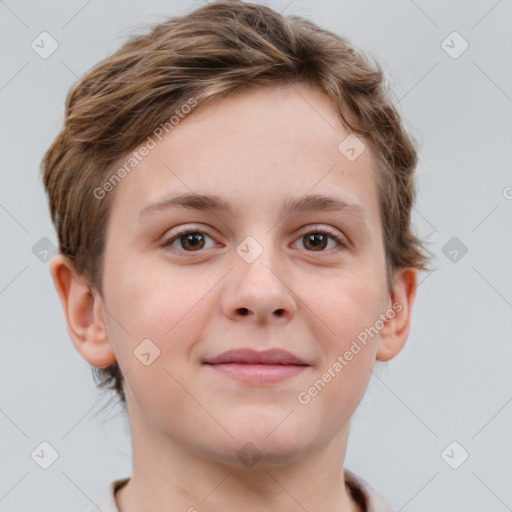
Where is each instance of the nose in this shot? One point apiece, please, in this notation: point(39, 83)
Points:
point(259, 292)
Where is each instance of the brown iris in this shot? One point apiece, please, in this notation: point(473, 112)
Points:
point(190, 241)
point(316, 240)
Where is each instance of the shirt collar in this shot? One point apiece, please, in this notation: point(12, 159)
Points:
point(362, 493)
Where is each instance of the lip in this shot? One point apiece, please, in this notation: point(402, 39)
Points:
point(248, 365)
point(249, 356)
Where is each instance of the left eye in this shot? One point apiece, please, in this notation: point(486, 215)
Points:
point(318, 239)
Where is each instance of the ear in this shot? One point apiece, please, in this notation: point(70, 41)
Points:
point(84, 313)
point(395, 331)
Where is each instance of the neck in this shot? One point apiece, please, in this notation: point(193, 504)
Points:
point(167, 475)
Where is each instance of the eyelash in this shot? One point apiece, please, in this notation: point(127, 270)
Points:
point(322, 230)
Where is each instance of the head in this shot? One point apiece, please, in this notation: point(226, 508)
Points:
point(236, 101)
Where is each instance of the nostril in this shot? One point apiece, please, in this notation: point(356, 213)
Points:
point(244, 311)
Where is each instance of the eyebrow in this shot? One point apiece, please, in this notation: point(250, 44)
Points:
point(205, 202)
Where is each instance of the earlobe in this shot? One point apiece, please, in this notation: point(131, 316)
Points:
point(394, 334)
point(84, 313)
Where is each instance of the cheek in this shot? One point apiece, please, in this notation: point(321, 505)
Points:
point(153, 302)
point(345, 310)
point(174, 311)
point(160, 394)
point(348, 313)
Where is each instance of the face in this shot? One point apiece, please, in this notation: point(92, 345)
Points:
point(196, 282)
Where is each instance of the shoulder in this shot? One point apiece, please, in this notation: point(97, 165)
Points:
point(368, 499)
point(106, 502)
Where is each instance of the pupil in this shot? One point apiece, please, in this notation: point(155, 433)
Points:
point(192, 239)
point(313, 240)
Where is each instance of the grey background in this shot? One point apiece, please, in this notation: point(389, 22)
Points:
point(452, 382)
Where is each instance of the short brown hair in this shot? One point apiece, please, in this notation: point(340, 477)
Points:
point(214, 51)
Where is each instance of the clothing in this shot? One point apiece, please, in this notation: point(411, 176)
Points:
point(364, 495)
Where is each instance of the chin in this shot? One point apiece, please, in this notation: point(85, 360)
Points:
point(269, 439)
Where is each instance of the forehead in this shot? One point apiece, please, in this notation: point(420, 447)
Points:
point(258, 148)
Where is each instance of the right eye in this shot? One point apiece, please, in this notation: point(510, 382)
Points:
point(190, 240)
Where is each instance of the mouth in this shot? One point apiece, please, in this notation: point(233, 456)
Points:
point(250, 366)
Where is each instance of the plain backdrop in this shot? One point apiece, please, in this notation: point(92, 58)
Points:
point(451, 384)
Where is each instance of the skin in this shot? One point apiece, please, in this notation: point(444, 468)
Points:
point(188, 421)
